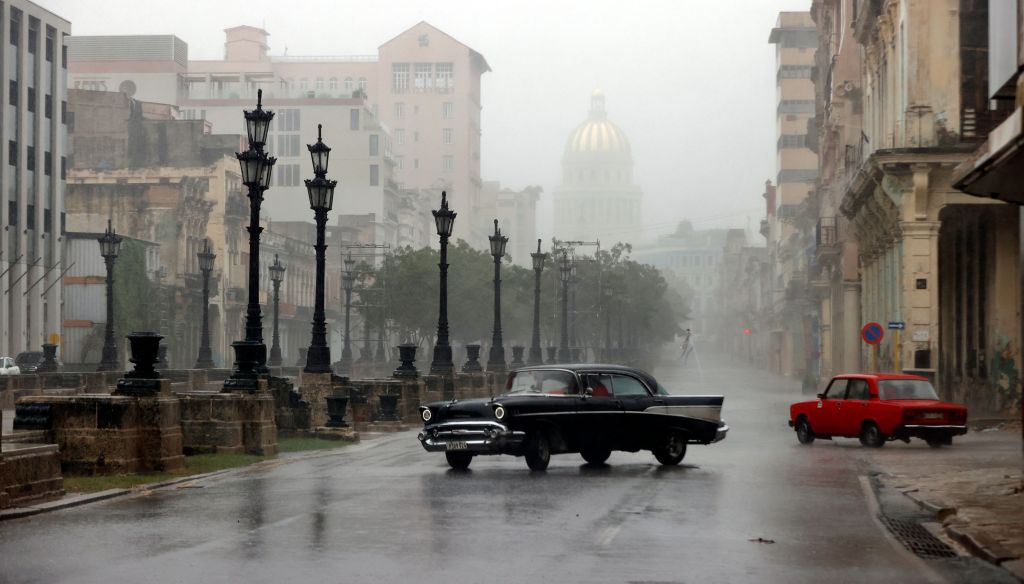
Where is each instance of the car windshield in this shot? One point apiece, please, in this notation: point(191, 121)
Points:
point(906, 389)
point(33, 357)
point(543, 381)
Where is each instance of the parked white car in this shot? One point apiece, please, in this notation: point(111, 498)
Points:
point(7, 367)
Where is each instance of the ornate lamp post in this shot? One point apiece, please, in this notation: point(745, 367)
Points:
point(565, 271)
point(276, 277)
point(256, 167)
point(321, 199)
point(573, 341)
point(496, 358)
point(348, 281)
point(444, 220)
point(206, 257)
point(110, 246)
point(536, 356)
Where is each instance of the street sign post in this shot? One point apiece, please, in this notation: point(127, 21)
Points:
point(896, 326)
point(872, 333)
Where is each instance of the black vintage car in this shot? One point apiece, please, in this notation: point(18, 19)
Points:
point(589, 409)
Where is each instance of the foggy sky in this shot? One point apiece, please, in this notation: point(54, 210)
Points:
point(690, 83)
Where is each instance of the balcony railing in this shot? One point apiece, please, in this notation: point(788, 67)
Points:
point(826, 233)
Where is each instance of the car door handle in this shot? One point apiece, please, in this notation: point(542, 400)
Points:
point(659, 402)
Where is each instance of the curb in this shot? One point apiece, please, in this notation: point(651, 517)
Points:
point(68, 502)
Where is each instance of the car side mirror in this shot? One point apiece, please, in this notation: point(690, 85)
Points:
point(588, 392)
point(821, 396)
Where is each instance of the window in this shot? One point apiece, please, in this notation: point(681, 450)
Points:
point(399, 110)
point(47, 219)
point(858, 389)
point(63, 168)
point(400, 77)
point(415, 162)
point(541, 381)
point(30, 158)
point(288, 145)
point(12, 212)
point(353, 119)
point(448, 163)
point(626, 385)
point(30, 217)
point(792, 141)
point(400, 136)
point(319, 83)
point(50, 31)
point(837, 389)
point(447, 110)
point(796, 106)
point(415, 136)
point(287, 175)
point(362, 84)
point(374, 175)
point(445, 77)
point(288, 120)
point(333, 85)
point(303, 84)
point(348, 85)
point(33, 36)
point(12, 153)
point(423, 78)
point(48, 106)
point(31, 99)
point(794, 72)
point(447, 136)
point(48, 163)
point(400, 162)
point(374, 145)
point(12, 97)
point(15, 26)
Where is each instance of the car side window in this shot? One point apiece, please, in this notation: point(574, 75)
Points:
point(837, 389)
point(600, 384)
point(625, 385)
point(858, 389)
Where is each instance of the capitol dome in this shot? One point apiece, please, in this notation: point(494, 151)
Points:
point(597, 135)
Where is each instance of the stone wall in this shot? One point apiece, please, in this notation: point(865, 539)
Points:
point(107, 433)
point(29, 474)
point(229, 422)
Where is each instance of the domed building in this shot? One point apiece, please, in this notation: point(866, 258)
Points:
point(597, 198)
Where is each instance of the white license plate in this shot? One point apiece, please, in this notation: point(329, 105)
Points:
point(457, 445)
point(933, 416)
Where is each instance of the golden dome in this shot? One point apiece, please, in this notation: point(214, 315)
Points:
point(597, 135)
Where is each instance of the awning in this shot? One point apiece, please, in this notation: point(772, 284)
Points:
point(998, 165)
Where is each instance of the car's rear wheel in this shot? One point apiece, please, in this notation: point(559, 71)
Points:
point(871, 436)
point(596, 456)
point(538, 451)
point(459, 460)
point(673, 449)
point(804, 435)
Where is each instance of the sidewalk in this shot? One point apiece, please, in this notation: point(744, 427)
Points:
point(975, 488)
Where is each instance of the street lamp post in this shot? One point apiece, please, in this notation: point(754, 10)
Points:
point(206, 257)
point(573, 341)
point(110, 246)
point(565, 271)
point(256, 167)
point(496, 358)
point(321, 199)
point(536, 356)
point(348, 280)
point(276, 277)
point(444, 220)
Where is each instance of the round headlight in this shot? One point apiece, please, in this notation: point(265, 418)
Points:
point(427, 415)
point(499, 412)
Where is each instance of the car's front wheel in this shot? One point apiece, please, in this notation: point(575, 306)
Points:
point(871, 436)
point(596, 456)
point(804, 435)
point(673, 449)
point(538, 451)
point(459, 460)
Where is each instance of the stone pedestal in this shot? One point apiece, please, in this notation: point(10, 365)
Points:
point(29, 474)
point(229, 422)
point(109, 433)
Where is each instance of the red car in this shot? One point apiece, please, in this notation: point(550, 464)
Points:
point(877, 408)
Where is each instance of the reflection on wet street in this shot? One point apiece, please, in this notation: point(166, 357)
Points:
point(385, 511)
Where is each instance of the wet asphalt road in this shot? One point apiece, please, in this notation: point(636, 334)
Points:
point(386, 511)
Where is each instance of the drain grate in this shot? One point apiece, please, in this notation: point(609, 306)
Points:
point(917, 539)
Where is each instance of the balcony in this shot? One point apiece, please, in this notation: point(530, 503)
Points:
point(826, 232)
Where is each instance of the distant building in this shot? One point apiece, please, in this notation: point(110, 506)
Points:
point(516, 212)
point(405, 118)
point(597, 197)
point(33, 136)
point(691, 260)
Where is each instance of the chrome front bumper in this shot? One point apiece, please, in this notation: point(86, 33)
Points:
point(478, 437)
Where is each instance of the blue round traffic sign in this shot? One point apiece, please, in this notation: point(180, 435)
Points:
point(872, 333)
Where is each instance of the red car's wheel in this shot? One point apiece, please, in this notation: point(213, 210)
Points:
point(871, 436)
point(804, 435)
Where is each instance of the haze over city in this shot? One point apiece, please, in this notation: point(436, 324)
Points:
point(693, 129)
